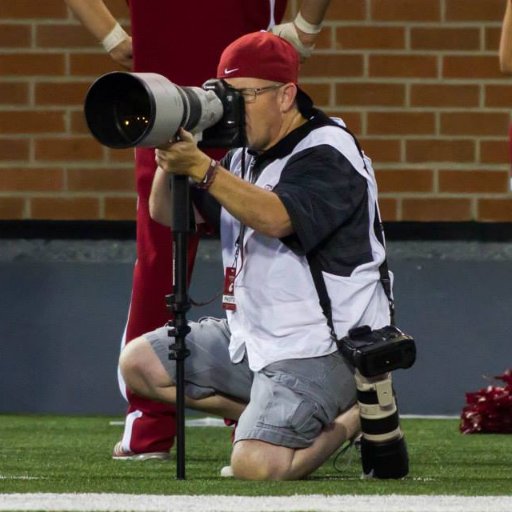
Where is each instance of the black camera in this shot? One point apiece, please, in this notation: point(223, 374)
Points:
point(124, 110)
point(374, 352)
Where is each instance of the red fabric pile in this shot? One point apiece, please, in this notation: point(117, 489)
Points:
point(489, 411)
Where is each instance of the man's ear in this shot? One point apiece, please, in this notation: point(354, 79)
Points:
point(288, 96)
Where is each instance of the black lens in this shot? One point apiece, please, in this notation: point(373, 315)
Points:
point(132, 115)
point(119, 110)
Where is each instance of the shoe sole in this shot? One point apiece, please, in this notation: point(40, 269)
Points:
point(142, 457)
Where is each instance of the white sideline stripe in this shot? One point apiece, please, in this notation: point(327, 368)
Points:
point(212, 503)
point(205, 422)
point(218, 422)
point(430, 416)
point(20, 477)
point(197, 422)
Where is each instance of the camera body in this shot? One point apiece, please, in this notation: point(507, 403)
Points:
point(229, 130)
point(379, 351)
point(125, 110)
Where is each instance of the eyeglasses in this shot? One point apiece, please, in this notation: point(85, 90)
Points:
point(251, 93)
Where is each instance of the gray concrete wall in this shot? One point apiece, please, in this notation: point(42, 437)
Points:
point(63, 308)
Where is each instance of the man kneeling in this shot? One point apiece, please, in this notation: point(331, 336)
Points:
point(301, 192)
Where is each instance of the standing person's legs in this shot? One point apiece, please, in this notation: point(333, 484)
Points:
point(149, 426)
point(510, 154)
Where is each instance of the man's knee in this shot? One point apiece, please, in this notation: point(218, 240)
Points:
point(140, 367)
point(257, 460)
point(129, 362)
point(129, 352)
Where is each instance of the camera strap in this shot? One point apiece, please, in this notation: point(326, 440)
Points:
point(385, 279)
point(323, 296)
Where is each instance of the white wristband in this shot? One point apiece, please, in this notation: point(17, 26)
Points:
point(115, 36)
point(305, 26)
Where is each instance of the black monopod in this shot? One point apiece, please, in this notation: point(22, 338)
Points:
point(178, 304)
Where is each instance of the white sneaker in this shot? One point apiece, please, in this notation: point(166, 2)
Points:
point(120, 454)
point(226, 472)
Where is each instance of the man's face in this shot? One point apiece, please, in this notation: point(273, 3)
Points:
point(263, 117)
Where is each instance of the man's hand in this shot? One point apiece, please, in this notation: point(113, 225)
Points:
point(123, 53)
point(303, 31)
point(182, 156)
point(304, 43)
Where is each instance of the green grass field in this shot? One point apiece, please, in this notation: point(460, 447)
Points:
point(72, 454)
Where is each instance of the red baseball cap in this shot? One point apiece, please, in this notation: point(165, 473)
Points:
point(260, 55)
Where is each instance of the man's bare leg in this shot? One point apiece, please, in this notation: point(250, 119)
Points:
point(258, 460)
point(251, 459)
point(145, 375)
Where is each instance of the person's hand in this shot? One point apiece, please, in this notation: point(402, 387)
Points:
point(123, 53)
point(303, 42)
point(182, 156)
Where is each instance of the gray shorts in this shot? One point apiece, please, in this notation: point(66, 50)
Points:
point(289, 402)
